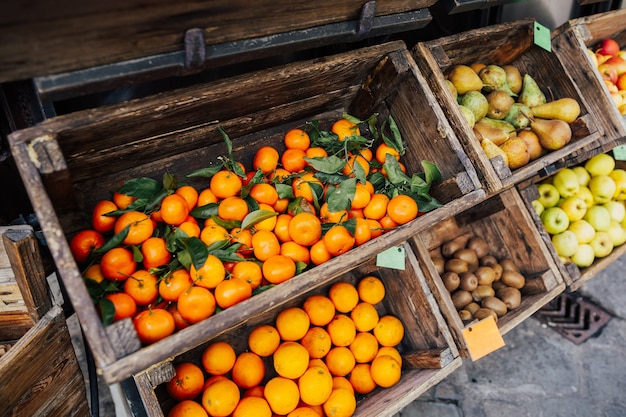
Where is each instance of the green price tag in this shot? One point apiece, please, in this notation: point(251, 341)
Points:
point(542, 37)
point(391, 258)
point(619, 153)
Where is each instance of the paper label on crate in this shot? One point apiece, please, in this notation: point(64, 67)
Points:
point(619, 153)
point(482, 338)
point(391, 258)
point(542, 37)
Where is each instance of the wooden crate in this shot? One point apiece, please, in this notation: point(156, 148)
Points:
point(502, 44)
point(504, 222)
point(428, 349)
point(39, 373)
point(570, 42)
point(70, 162)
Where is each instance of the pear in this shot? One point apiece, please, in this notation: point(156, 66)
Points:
point(516, 151)
point(500, 103)
point(477, 66)
point(535, 150)
point(531, 94)
point(566, 109)
point(492, 150)
point(469, 116)
point(519, 115)
point(497, 131)
point(464, 79)
point(553, 133)
point(494, 78)
point(476, 102)
point(513, 78)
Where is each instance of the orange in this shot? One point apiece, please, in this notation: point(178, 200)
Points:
point(123, 304)
point(213, 233)
point(190, 195)
point(153, 325)
point(142, 286)
point(317, 342)
point(264, 340)
point(218, 358)
point(100, 222)
point(338, 240)
point(389, 331)
point(232, 208)
point(390, 351)
point(315, 385)
point(243, 236)
point(278, 268)
point(174, 284)
point(225, 184)
point(349, 168)
point(264, 193)
point(292, 323)
point(248, 370)
point(94, 272)
point(205, 197)
point(375, 227)
point(220, 398)
point(282, 395)
point(232, 291)
point(342, 382)
point(305, 412)
point(295, 251)
point(280, 175)
point(256, 391)
point(265, 159)
point(377, 207)
point(367, 154)
point(362, 232)
point(364, 316)
point(382, 150)
point(328, 216)
point(84, 242)
point(361, 197)
point(210, 274)
point(140, 227)
point(344, 128)
point(190, 228)
point(302, 186)
point(155, 253)
point(371, 289)
point(291, 360)
point(344, 296)
point(297, 139)
point(319, 253)
point(341, 330)
point(316, 152)
point(340, 361)
point(385, 371)
point(364, 347)
point(281, 229)
point(187, 408)
point(402, 209)
point(305, 229)
point(122, 201)
point(356, 213)
point(252, 407)
point(174, 209)
point(196, 304)
point(341, 403)
point(179, 322)
point(361, 379)
point(387, 223)
point(187, 382)
point(118, 264)
point(317, 362)
point(269, 223)
point(281, 205)
point(265, 245)
point(248, 271)
point(320, 309)
point(293, 160)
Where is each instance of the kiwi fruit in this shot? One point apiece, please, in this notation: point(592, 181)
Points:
point(468, 281)
point(485, 275)
point(456, 265)
point(461, 298)
point(472, 307)
point(482, 291)
point(451, 280)
point(497, 269)
point(508, 265)
point(467, 255)
point(496, 285)
point(439, 265)
point(465, 315)
point(484, 312)
point(487, 260)
point(495, 304)
point(479, 246)
point(513, 279)
point(435, 253)
point(451, 246)
point(511, 297)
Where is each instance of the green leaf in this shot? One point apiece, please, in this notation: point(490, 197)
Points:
point(255, 217)
point(151, 205)
point(169, 181)
point(205, 212)
point(332, 179)
point(218, 245)
point(107, 311)
point(140, 188)
point(300, 266)
point(226, 224)
point(137, 255)
point(378, 180)
point(431, 171)
point(284, 190)
point(341, 197)
point(184, 257)
point(261, 289)
point(329, 164)
point(397, 142)
point(350, 224)
point(197, 250)
point(207, 172)
point(297, 205)
point(394, 172)
point(226, 255)
point(115, 241)
point(359, 172)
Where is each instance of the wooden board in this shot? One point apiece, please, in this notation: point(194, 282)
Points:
point(506, 43)
point(70, 162)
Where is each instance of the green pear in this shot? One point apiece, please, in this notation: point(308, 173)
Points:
point(452, 89)
point(553, 133)
point(469, 116)
point(531, 94)
point(519, 115)
point(497, 131)
point(566, 109)
point(476, 102)
point(494, 78)
point(500, 103)
point(464, 79)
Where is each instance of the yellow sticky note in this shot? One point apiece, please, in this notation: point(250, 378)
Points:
point(482, 338)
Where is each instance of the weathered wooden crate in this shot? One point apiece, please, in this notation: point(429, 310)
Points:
point(504, 222)
point(39, 372)
point(428, 348)
point(570, 43)
point(503, 44)
point(70, 162)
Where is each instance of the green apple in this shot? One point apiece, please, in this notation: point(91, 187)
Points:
point(555, 220)
point(601, 164)
point(575, 208)
point(585, 194)
point(617, 233)
point(566, 182)
point(616, 209)
point(565, 243)
point(582, 174)
point(598, 217)
point(539, 208)
point(548, 195)
point(602, 187)
point(619, 176)
point(583, 230)
point(584, 256)
point(602, 244)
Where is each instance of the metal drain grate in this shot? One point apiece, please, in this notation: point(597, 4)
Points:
point(574, 316)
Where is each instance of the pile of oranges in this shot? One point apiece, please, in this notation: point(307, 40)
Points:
point(314, 360)
point(169, 255)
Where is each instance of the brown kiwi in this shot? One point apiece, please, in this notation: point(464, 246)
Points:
point(482, 291)
point(479, 246)
point(456, 265)
point(461, 298)
point(485, 275)
point(508, 265)
point(435, 253)
point(496, 285)
point(451, 280)
point(472, 307)
point(513, 279)
point(511, 297)
point(451, 246)
point(484, 312)
point(469, 256)
point(439, 265)
point(497, 269)
point(488, 260)
point(465, 315)
point(495, 304)
point(468, 281)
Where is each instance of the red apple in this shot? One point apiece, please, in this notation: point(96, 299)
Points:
point(618, 63)
point(608, 72)
point(602, 58)
point(609, 47)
